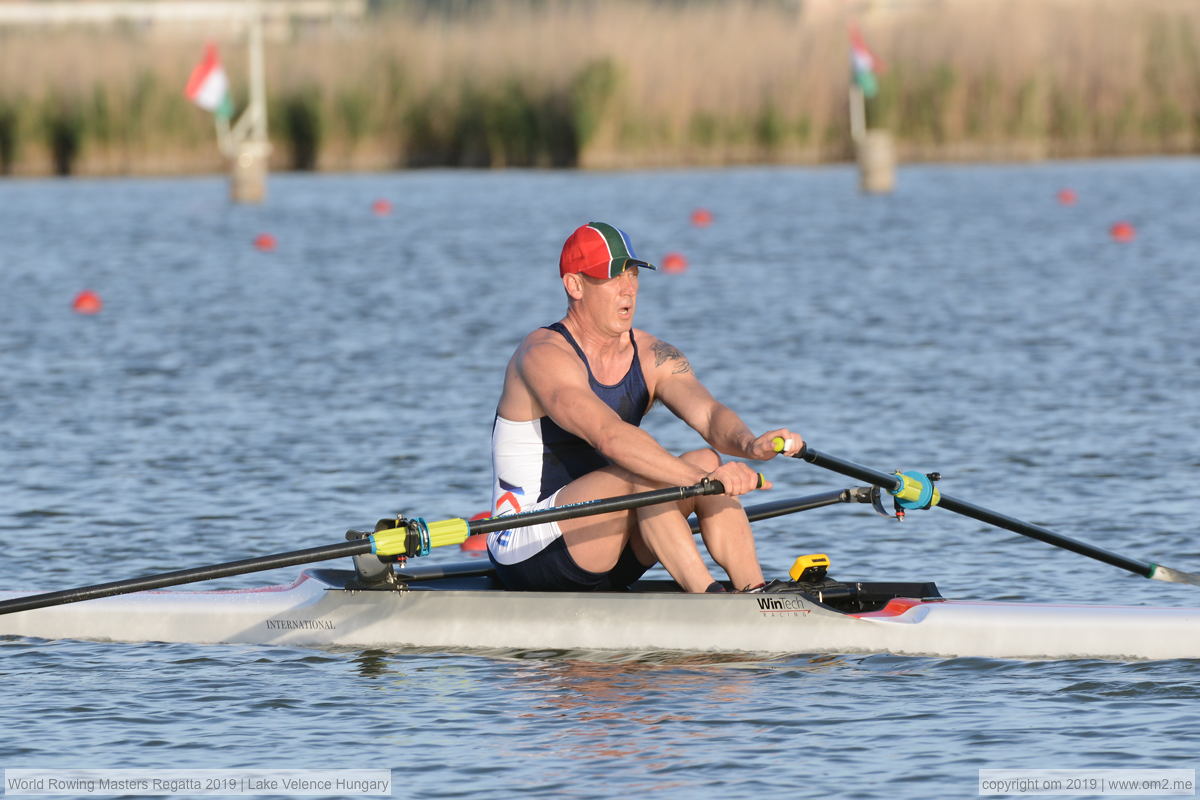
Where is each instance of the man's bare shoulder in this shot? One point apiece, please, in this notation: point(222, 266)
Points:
point(541, 343)
point(665, 357)
point(544, 358)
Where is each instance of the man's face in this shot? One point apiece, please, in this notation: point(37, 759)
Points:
point(611, 302)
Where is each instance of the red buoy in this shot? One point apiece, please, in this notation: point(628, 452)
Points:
point(1122, 232)
point(87, 302)
point(702, 218)
point(381, 207)
point(265, 242)
point(674, 263)
point(1067, 197)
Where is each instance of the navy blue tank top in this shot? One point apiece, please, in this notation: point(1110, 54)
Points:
point(566, 456)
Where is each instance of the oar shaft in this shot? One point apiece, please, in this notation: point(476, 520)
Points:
point(1046, 535)
point(777, 508)
point(891, 483)
point(875, 477)
point(591, 507)
point(192, 575)
point(355, 547)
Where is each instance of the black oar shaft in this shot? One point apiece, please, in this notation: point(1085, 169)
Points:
point(193, 575)
point(1046, 535)
point(792, 505)
point(592, 507)
point(350, 548)
point(891, 483)
point(875, 477)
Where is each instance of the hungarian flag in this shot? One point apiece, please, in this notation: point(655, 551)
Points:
point(863, 64)
point(208, 87)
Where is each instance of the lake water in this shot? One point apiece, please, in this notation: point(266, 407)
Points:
point(229, 402)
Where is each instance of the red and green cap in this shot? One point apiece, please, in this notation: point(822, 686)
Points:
point(599, 250)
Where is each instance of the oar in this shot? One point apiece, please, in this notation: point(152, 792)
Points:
point(413, 537)
point(915, 488)
point(776, 508)
point(792, 505)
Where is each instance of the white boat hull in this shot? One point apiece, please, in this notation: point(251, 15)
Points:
point(458, 613)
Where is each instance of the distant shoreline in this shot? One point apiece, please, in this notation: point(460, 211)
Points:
point(621, 85)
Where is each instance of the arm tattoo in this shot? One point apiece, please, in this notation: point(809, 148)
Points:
point(665, 352)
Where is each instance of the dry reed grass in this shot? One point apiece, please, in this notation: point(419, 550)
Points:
point(622, 83)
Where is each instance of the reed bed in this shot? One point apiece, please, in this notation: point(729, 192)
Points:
point(619, 83)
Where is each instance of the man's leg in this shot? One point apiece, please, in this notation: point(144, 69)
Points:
point(661, 532)
point(727, 535)
point(723, 526)
point(595, 543)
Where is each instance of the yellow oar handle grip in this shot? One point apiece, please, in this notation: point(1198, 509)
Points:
point(448, 531)
point(778, 444)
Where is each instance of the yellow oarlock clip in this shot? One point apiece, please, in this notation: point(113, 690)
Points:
point(811, 567)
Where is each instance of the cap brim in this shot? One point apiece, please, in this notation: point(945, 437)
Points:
point(618, 266)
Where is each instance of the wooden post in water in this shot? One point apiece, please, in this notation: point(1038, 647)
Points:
point(876, 162)
point(247, 145)
point(873, 148)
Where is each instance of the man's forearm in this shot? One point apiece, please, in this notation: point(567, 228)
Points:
point(633, 449)
point(728, 433)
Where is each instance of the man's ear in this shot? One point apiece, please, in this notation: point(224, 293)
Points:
point(573, 284)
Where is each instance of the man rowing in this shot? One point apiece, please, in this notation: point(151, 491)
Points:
point(566, 431)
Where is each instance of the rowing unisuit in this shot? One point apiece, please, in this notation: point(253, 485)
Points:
point(532, 460)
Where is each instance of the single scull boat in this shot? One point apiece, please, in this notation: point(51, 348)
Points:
point(460, 606)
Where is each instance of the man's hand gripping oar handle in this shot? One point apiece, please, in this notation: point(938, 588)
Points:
point(896, 484)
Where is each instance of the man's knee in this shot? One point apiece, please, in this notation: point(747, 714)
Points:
point(706, 458)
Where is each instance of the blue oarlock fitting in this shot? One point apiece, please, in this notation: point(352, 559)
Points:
point(916, 490)
point(419, 531)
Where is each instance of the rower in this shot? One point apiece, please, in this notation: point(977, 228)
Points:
point(566, 431)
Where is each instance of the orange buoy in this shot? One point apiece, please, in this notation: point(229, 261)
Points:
point(265, 242)
point(381, 207)
point(702, 218)
point(87, 302)
point(1067, 197)
point(674, 263)
point(1122, 232)
point(476, 542)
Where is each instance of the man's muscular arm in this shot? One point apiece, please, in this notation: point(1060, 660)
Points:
point(681, 391)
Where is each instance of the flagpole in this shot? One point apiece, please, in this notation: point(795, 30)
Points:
point(873, 148)
point(224, 137)
point(858, 113)
point(250, 143)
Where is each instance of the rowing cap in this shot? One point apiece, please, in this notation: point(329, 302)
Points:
point(599, 250)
